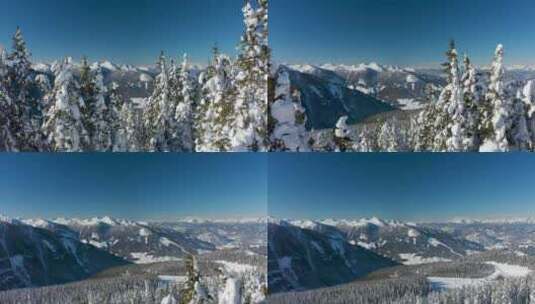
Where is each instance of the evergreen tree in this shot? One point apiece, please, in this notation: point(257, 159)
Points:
point(462, 137)
point(7, 140)
point(215, 112)
point(342, 134)
point(529, 100)
point(449, 97)
point(473, 93)
point(520, 137)
point(389, 138)
point(497, 136)
point(118, 127)
point(25, 111)
point(131, 129)
point(88, 92)
point(249, 129)
point(63, 126)
point(104, 117)
point(158, 120)
point(192, 279)
point(425, 132)
point(365, 142)
point(288, 117)
point(184, 109)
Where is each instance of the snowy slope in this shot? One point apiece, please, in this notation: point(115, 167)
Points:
point(405, 242)
point(136, 241)
point(302, 258)
point(33, 256)
point(326, 98)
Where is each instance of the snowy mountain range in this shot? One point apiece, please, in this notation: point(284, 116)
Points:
point(143, 242)
point(465, 261)
point(38, 252)
point(517, 235)
point(301, 258)
point(135, 83)
point(46, 254)
point(330, 91)
point(305, 254)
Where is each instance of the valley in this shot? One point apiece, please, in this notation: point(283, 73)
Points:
point(112, 260)
point(447, 262)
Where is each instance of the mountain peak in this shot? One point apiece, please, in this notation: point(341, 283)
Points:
point(106, 220)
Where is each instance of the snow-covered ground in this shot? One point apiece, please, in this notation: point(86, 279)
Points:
point(501, 270)
point(146, 258)
point(172, 279)
point(410, 104)
point(232, 267)
point(414, 259)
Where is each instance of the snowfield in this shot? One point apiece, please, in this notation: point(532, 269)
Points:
point(414, 259)
point(172, 279)
point(146, 258)
point(232, 267)
point(501, 271)
point(410, 104)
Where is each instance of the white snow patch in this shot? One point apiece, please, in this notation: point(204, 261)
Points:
point(167, 242)
point(169, 299)
point(97, 244)
point(368, 246)
point(413, 233)
point(414, 259)
point(233, 267)
point(144, 232)
point(230, 294)
point(317, 247)
point(146, 258)
point(501, 270)
point(172, 279)
point(140, 102)
point(435, 243)
point(409, 104)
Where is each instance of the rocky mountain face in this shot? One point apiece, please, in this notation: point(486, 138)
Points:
point(306, 254)
point(32, 256)
point(300, 258)
point(136, 241)
point(364, 91)
point(326, 98)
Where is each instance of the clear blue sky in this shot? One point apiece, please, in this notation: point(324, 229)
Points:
point(407, 32)
point(133, 186)
point(132, 31)
point(416, 187)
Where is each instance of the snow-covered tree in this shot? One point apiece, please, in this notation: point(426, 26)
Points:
point(288, 117)
point(102, 140)
point(496, 138)
point(389, 138)
point(215, 111)
point(529, 100)
point(249, 128)
point(88, 92)
point(230, 294)
point(158, 116)
point(25, 111)
point(473, 92)
point(366, 141)
point(193, 291)
point(7, 140)
point(342, 134)
point(63, 125)
point(425, 132)
point(119, 121)
point(520, 138)
point(184, 109)
point(449, 98)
